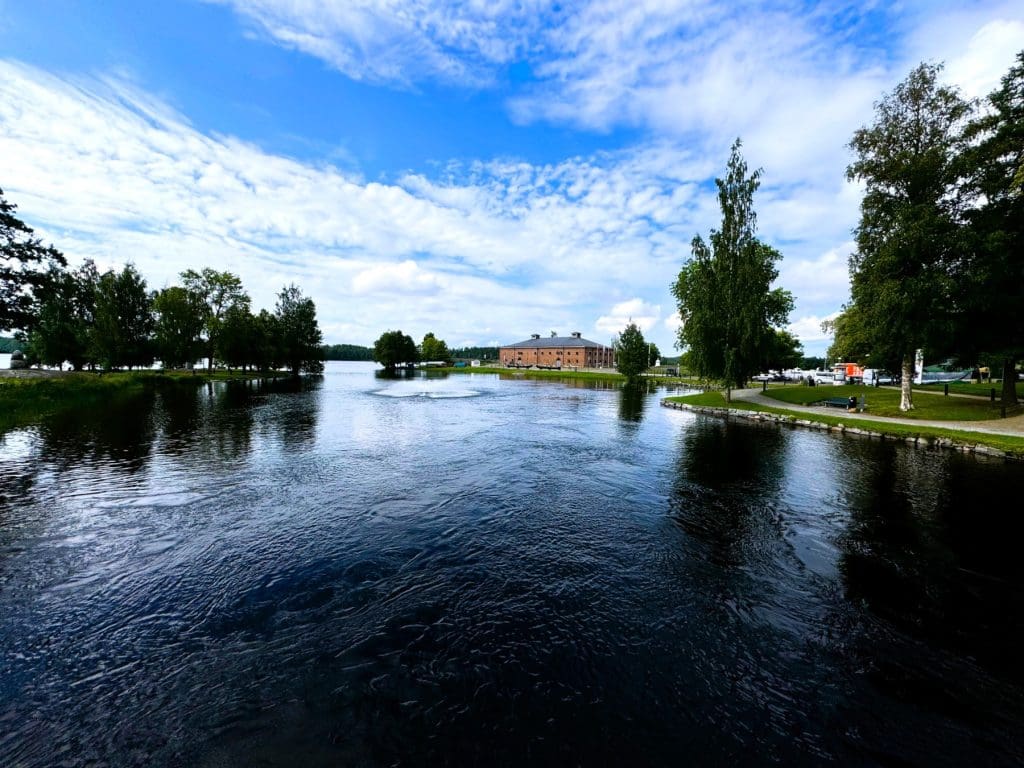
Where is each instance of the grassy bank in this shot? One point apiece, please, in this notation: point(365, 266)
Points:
point(568, 373)
point(1008, 443)
point(26, 400)
point(532, 373)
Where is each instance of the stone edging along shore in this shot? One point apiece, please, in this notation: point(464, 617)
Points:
point(934, 443)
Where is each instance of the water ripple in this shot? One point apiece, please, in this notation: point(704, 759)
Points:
point(527, 574)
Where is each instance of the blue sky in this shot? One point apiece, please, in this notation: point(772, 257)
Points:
point(482, 170)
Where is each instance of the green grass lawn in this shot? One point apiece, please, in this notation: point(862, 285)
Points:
point(928, 404)
point(970, 388)
point(885, 401)
point(1008, 443)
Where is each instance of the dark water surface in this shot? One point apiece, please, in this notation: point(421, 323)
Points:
point(475, 571)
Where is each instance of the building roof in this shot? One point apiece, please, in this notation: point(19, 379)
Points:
point(555, 341)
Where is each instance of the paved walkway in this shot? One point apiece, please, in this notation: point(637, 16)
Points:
point(1013, 425)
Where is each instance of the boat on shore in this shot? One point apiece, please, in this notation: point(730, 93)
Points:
point(939, 377)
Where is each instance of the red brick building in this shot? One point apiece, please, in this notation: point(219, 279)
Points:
point(557, 352)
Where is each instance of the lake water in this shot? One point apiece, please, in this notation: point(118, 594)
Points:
point(481, 571)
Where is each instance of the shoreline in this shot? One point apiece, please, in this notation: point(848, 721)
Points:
point(28, 395)
point(971, 437)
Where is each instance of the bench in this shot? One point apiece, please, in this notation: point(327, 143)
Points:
point(836, 402)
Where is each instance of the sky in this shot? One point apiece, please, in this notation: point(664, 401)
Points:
point(479, 169)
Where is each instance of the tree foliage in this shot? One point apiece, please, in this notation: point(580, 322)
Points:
point(394, 348)
point(347, 352)
point(902, 274)
point(62, 328)
point(783, 350)
point(435, 350)
point(481, 353)
point(219, 291)
point(179, 319)
point(631, 352)
point(236, 339)
point(298, 331)
point(726, 302)
point(26, 268)
point(850, 340)
point(123, 320)
point(654, 354)
point(994, 274)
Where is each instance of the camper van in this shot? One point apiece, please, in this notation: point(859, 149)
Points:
point(874, 377)
point(847, 373)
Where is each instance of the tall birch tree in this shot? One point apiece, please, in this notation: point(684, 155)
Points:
point(726, 303)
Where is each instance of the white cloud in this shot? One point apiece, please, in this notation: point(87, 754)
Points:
point(808, 330)
point(674, 322)
point(978, 67)
point(634, 310)
point(400, 42)
point(819, 281)
point(109, 173)
point(500, 249)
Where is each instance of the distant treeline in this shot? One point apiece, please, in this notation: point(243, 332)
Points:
point(8, 345)
point(476, 353)
point(347, 352)
point(356, 352)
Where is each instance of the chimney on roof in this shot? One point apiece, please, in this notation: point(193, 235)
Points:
point(534, 335)
point(576, 334)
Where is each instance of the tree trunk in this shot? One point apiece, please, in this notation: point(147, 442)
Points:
point(906, 396)
point(728, 394)
point(1009, 381)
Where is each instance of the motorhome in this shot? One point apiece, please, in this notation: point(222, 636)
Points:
point(847, 373)
point(874, 377)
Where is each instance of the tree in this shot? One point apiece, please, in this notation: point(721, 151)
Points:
point(994, 274)
point(902, 275)
point(783, 350)
point(347, 352)
point(180, 316)
point(724, 292)
point(237, 338)
point(301, 340)
point(394, 348)
point(219, 290)
point(435, 349)
point(124, 321)
point(26, 267)
point(266, 340)
point(654, 354)
point(631, 353)
point(62, 326)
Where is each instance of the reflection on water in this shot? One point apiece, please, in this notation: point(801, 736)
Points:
point(312, 573)
point(632, 399)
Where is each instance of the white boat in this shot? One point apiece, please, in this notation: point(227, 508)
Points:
point(938, 377)
point(921, 376)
